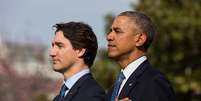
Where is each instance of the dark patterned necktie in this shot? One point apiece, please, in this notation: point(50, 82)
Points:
point(62, 91)
point(117, 85)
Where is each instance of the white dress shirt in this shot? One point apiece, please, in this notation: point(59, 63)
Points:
point(128, 70)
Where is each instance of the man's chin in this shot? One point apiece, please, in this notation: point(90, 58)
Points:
point(60, 70)
point(115, 57)
point(112, 56)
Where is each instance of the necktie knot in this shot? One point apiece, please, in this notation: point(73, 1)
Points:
point(117, 85)
point(121, 77)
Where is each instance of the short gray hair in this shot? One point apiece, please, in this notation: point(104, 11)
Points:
point(143, 24)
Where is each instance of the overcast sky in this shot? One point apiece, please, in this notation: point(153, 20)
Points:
point(32, 20)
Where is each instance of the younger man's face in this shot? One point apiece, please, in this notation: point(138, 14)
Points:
point(62, 53)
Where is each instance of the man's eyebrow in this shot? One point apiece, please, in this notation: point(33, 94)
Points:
point(57, 43)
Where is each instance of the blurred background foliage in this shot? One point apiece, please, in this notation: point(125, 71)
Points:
point(176, 50)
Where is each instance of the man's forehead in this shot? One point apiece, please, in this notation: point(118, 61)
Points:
point(123, 21)
point(59, 34)
point(59, 37)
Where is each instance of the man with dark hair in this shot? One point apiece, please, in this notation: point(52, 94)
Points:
point(128, 42)
point(73, 51)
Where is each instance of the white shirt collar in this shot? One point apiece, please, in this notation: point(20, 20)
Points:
point(133, 66)
point(73, 79)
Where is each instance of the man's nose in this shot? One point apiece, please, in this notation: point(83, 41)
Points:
point(110, 36)
point(52, 52)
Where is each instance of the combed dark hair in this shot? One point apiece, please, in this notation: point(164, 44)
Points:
point(80, 35)
point(143, 23)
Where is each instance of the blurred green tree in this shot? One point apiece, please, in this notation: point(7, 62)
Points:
point(105, 70)
point(177, 48)
point(42, 97)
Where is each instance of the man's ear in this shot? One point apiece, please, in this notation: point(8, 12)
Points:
point(80, 52)
point(140, 39)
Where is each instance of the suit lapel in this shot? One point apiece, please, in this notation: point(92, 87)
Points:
point(73, 91)
point(133, 80)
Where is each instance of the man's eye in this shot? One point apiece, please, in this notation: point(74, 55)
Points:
point(60, 46)
point(118, 31)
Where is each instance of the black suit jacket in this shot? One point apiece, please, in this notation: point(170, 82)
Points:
point(146, 84)
point(85, 89)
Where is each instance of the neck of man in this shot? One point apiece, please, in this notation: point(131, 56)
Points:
point(126, 60)
point(75, 68)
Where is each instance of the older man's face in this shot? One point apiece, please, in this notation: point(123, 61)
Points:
point(121, 39)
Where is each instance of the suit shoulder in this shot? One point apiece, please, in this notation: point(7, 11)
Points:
point(92, 90)
point(152, 73)
point(157, 85)
point(90, 84)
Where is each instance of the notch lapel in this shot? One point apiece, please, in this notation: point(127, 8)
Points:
point(133, 80)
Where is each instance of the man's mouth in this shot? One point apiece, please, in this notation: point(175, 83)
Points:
point(111, 45)
point(54, 61)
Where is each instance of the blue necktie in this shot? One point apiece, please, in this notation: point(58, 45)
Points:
point(63, 90)
point(117, 84)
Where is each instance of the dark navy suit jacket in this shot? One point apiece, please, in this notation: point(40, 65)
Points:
point(85, 89)
point(146, 84)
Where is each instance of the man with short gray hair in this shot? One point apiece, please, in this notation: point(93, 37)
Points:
point(128, 41)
